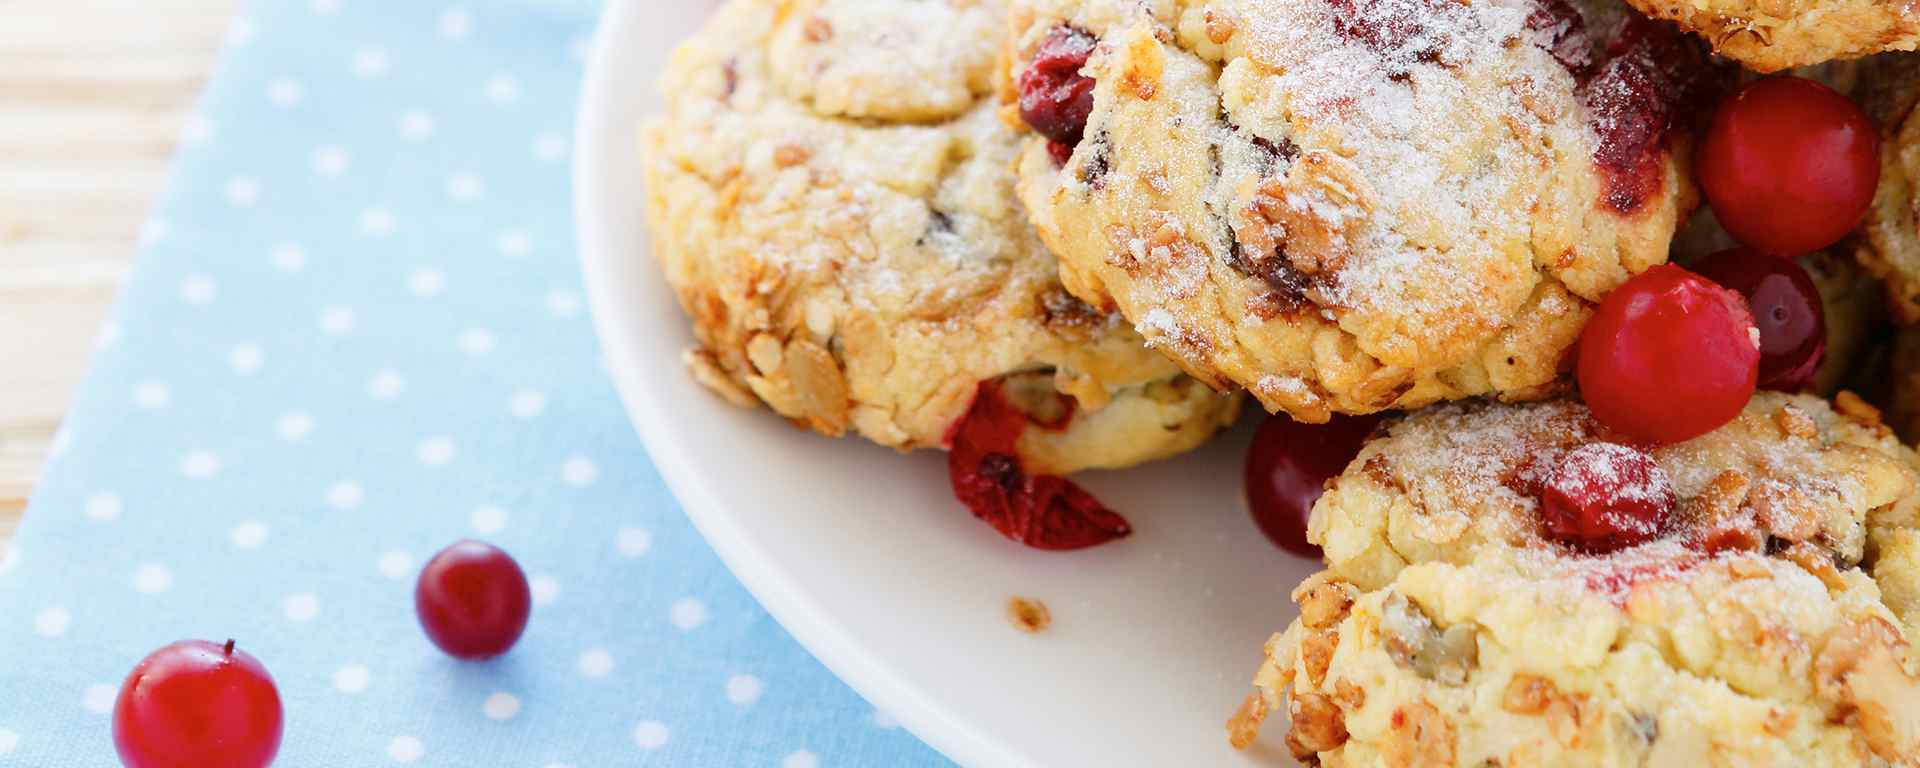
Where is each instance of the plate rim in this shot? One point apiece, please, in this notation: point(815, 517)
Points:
point(596, 158)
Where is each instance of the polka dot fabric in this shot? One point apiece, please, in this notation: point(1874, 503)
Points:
point(356, 334)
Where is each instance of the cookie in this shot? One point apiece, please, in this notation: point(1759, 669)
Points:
point(830, 196)
point(1347, 206)
point(1767, 621)
point(1770, 35)
point(1890, 248)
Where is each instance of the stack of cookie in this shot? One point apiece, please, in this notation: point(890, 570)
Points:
point(1051, 235)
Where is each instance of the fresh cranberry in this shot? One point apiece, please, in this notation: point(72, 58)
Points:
point(1603, 497)
point(1789, 165)
point(473, 600)
point(1040, 511)
point(1055, 99)
point(1668, 356)
point(1786, 306)
point(1288, 467)
point(194, 704)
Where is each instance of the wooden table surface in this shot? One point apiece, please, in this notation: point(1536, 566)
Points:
point(93, 94)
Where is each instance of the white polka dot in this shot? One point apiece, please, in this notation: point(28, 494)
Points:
point(386, 385)
point(152, 579)
point(103, 506)
point(198, 289)
point(416, 125)
point(500, 706)
point(243, 191)
point(527, 404)
point(434, 451)
point(503, 89)
point(336, 320)
point(330, 161)
point(153, 231)
point(545, 589)
point(351, 678)
point(650, 735)
point(151, 395)
point(98, 698)
point(286, 93)
point(579, 471)
point(248, 535)
point(302, 607)
point(198, 130)
point(325, 7)
point(800, 759)
point(52, 622)
point(593, 662)
point(465, 187)
point(345, 495)
point(563, 304)
point(395, 564)
point(513, 243)
point(743, 689)
point(632, 542)
point(688, 613)
point(109, 335)
point(475, 341)
point(9, 741)
point(426, 282)
point(549, 146)
point(294, 426)
point(454, 24)
point(200, 464)
point(488, 519)
point(369, 63)
point(884, 720)
point(240, 32)
point(405, 749)
point(288, 257)
point(377, 222)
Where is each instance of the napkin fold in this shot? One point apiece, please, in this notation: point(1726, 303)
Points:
point(357, 333)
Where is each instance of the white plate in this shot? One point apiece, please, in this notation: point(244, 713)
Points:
point(865, 557)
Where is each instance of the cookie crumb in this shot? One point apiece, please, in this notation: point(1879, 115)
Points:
point(1028, 615)
point(1244, 726)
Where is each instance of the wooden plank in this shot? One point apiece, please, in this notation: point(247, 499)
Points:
point(93, 98)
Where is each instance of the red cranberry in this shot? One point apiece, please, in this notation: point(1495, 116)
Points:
point(1668, 356)
point(1789, 165)
point(473, 600)
point(1605, 497)
point(1055, 99)
point(1786, 306)
point(1651, 70)
point(1288, 467)
point(194, 704)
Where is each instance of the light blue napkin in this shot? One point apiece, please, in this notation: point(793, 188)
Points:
point(356, 334)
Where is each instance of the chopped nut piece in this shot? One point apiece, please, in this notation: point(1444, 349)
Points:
point(1318, 724)
point(1220, 29)
point(1244, 726)
point(790, 155)
point(1030, 616)
point(1350, 697)
point(1415, 643)
point(1794, 422)
point(1851, 406)
point(1418, 736)
point(1316, 653)
point(1323, 603)
point(1529, 695)
point(1816, 561)
point(818, 30)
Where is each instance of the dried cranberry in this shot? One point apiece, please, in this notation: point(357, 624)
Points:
point(1560, 30)
point(1789, 165)
point(1055, 99)
point(1287, 470)
point(1040, 511)
point(1668, 356)
point(1395, 29)
point(1604, 497)
point(1651, 70)
point(1786, 307)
